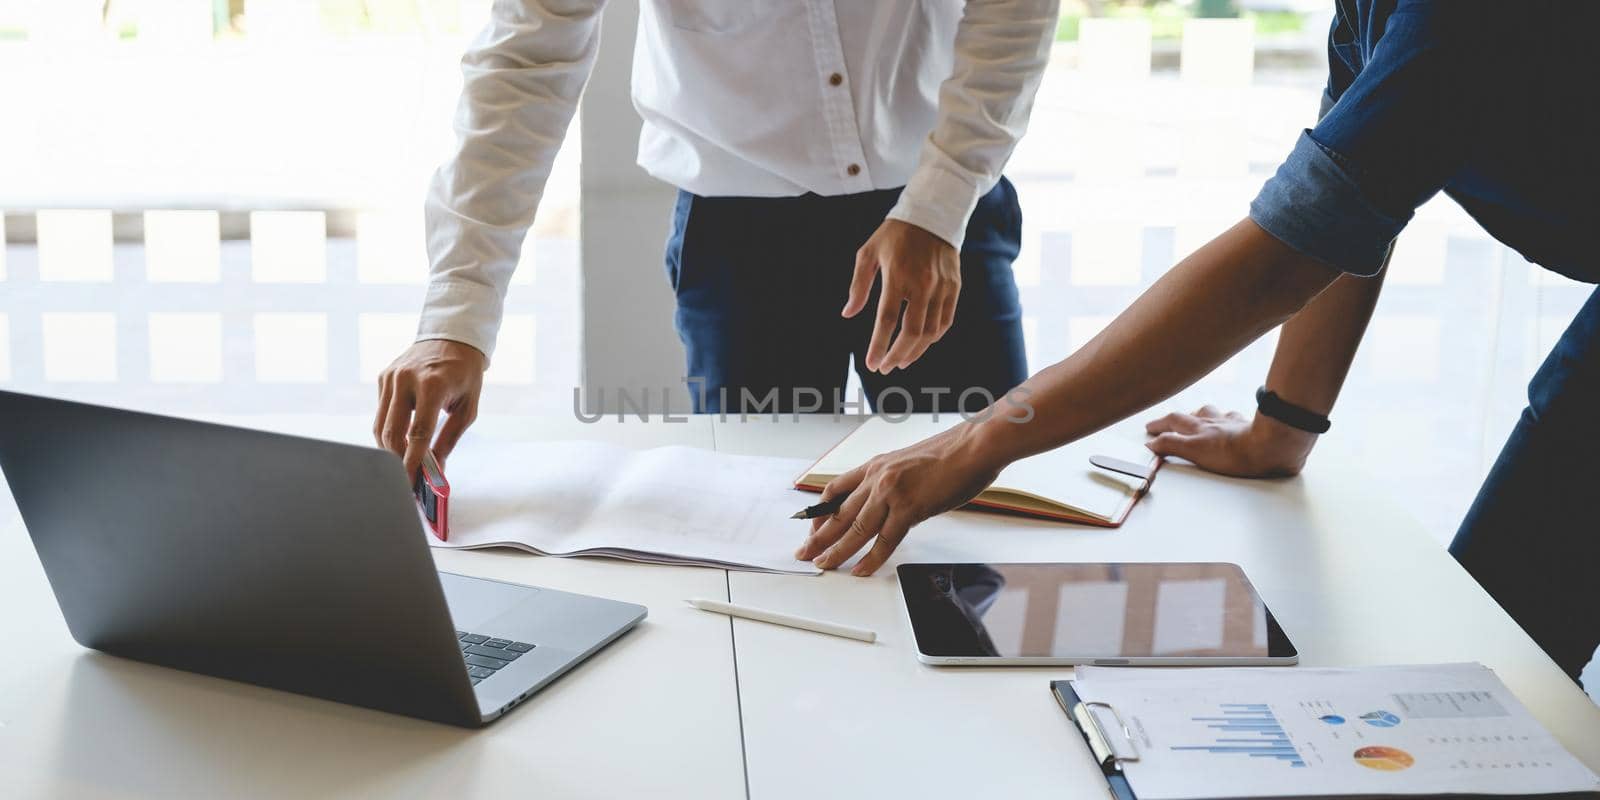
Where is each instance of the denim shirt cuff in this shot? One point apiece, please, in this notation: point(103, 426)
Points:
point(1314, 205)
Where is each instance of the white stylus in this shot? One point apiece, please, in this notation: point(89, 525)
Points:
point(789, 620)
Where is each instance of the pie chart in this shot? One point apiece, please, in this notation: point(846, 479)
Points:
point(1380, 719)
point(1332, 719)
point(1386, 759)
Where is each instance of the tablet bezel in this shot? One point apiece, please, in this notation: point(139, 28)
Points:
point(1280, 650)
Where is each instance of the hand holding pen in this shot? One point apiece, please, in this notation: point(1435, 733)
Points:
point(890, 494)
point(826, 508)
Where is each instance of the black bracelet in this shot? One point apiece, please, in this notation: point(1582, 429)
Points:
point(1294, 416)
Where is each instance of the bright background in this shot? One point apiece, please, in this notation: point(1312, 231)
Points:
point(215, 207)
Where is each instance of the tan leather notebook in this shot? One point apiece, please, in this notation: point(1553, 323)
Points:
point(1059, 484)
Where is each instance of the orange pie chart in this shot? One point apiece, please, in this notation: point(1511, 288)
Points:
point(1387, 759)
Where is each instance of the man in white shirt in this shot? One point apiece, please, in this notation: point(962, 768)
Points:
point(790, 128)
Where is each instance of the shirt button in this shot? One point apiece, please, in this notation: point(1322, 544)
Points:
point(835, 79)
point(853, 170)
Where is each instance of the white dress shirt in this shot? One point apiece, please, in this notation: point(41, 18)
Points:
point(763, 98)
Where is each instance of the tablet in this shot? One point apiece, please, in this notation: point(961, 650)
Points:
point(1182, 614)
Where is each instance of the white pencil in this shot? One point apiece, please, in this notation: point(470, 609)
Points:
point(789, 620)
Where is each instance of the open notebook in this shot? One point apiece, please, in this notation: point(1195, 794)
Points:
point(668, 505)
point(1059, 484)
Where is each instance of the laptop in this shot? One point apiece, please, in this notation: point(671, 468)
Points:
point(290, 563)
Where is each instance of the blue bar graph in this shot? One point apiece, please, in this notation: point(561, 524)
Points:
point(1247, 729)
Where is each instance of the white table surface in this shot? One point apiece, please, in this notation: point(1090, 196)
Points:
point(681, 708)
point(1350, 576)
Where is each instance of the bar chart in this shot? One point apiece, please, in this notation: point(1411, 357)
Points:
point(1250, 730)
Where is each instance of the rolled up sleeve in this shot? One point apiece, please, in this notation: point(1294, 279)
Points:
point(1316, 207)
point(1394, 131)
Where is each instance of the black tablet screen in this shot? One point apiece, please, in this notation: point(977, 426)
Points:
point(1089, 611)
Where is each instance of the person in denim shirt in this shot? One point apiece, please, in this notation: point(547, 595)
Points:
point(1493, 104)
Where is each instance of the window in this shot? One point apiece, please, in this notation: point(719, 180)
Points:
point(216, 208)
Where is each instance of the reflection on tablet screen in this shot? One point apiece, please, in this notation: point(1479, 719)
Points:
point(1088, 611)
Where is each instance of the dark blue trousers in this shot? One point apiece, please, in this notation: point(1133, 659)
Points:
point(760, 282)
point(1532, 536)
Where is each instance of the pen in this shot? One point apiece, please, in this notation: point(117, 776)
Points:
point(822, 509)
point(787, 620)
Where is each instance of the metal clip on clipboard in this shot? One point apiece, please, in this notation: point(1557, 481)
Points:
point(1110, 750)
point(1092, 728)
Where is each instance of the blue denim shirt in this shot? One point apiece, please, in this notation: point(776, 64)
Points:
point(1495, 103)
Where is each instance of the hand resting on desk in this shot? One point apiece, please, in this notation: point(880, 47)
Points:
point(1230, 444)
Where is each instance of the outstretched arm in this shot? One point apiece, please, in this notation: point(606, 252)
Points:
point(1208, 307)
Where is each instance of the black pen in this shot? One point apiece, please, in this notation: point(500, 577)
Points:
point(822, 509)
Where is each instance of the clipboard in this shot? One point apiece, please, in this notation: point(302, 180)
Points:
point(1103, 731)
point(1112, 745)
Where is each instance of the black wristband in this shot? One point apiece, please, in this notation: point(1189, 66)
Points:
point(1294, 416)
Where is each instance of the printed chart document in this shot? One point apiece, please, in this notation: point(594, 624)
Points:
point(1451, 729)
point(668, 505)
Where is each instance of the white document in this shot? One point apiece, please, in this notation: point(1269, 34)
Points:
point(668, 505)
point(1296, 732)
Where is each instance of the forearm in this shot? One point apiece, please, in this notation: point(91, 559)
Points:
point(1317, 346)
point(1208, 307)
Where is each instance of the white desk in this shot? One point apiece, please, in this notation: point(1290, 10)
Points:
point(1352, 579)
point(662, 713)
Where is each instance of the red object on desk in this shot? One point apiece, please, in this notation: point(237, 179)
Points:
point(433, 496)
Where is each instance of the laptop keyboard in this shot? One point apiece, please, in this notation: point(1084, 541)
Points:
point(485, 655)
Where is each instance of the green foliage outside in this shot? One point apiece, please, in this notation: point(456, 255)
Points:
point(1166, 18)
